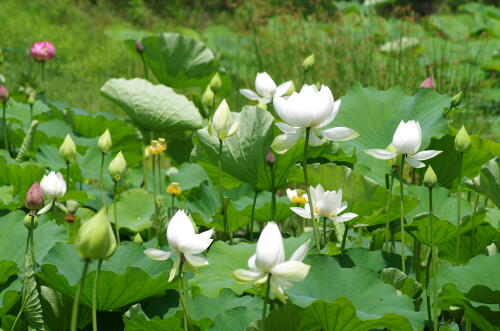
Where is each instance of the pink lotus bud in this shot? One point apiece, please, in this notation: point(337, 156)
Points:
point(139, 47)
point(428, 83)
point(34, 198)
point(4, 93)
point(43, 51)
point(270, 159)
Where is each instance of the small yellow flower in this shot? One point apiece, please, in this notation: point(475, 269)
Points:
point(174, 189)
point(156, 147)
point(297, 196)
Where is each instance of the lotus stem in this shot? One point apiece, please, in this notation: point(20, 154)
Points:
point(101, 181)
point(160, 184)
point(388, 220)
point(172, 206)
point(94, 295)
point(308, 191)
point(4, 125)
point(115, 201)
point(266, 299)
point(324, 231)
point(434, 259)
point(427, 294)
point(31, 240)
point(67, 172)
point(401, 182)
point(252, 221)
point(472, 243)
point(344, 237)
point(76, 300)
point(273, 195)
point(182, 295)
point(221, 191)
point(459, 199)
point(145, 67)
point(31, 113)
point(43, 73)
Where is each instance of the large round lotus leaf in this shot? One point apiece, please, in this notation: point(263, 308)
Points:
point(179, 61)
point(152, 107)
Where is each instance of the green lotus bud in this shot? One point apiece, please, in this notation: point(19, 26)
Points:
point(72, 206)
point(2, 80)
point(208, 97)
point(456, 100)
point(215, 83)
point(462, 140)
point(222, 124)
point(95, 238)
point(117, 167)
point(28, 219)
point(308, 62)
point(138, 238)
point(430, 178)
point(105, 143)
point(67, 151)
point(30, 95)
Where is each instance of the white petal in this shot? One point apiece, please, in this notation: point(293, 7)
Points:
point(264, 101)
point(283, 88)
point(407, 137)
point(207, 234)
point(301, 252)
point(291, 271)
point(249, 94)
point(413, 162)
point(285, 128)
point(301, 212)
point(277, 288)
point(175, 267)
point(339, 133)
point(345, 217)
point(333, 114)
point(328, 204)
point(157, 254)
point(247, 276)
point(180, 228)
point(234, 127)
point(251, 263)
point(425, 155)
point(282, 143)
point(46, 208)
point(195, 261)
point(270, 250)
point(264, 84)
point(313, 140)
point(194, 244)
point(291, 193)
point(381, 154)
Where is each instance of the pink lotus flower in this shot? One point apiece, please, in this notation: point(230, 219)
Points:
point(34, 198)
point(428, 83)
point(43, 51)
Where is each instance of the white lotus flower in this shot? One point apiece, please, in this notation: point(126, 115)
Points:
point(184, 242)
point(297, 196)
point(269, 261)
point(54, 187)
point(222, 124)
point(308, 109)
point(328, 204)
point(406, 141)
point(400, 44)
point(266, 89)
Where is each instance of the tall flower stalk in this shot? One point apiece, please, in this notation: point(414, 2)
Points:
point(4, 97)
point(183, 296)
point(308, 191)
point(402, 219)
point(94, 295)
point(76, 300)
point(227, 232)
point(389, 204)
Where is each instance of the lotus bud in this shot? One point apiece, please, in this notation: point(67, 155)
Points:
point(139, 46)
point(42, 51)
point(308, 62)
point(174, 189)
point(105, 143)
point(430, 178)
point(208, 97)
point(456, 100)
point(462, 140)
point(222, 124)
point(270, 159)
point(95, 238)
point(215, 83)
point(30, 95)
point(67, 151)
point(138, 238)
point(172, 171)
point(428, 83)
point(2, 78)
point(34, 198)
point(117, 167)
point(4, 94)
point(30, 220)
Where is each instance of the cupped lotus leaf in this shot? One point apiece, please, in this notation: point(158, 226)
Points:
point(152, 107)
point(134, 209)
point(179, 61)
point(489, 182)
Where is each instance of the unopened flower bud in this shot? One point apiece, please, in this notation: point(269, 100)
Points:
point(139, 46)
point(117, 167)
point(43, 51)
point(2, 78)
point(308, 62)
point(30, 95)
point(138, 238)
point(4, 93)
point(428, 83)
point(430, 178)
point(30, 220)
point(215, 83)
point(462, 140)
point(34, 197)
point(208, 97)
point(105, 143)
point(270, 159)
point(67, 151)
point(71, 207)
point(174, 189)
point(95, 238)
point(456, 100)
point(222, 124)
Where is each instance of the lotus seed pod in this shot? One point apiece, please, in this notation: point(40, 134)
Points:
point(456, 100)
point(95, 238)
point(34, 197)
point(308, 62)
point(4, 93)
point(215, 83)
point(28, 219)
point(208, 97)
point(462, 140)
point(430, 178)
point(72, 206)
point(138, 238)
point(67, 151)
point(105, 143)
point(117, 167)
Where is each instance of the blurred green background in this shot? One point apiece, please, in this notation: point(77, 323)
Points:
point(457, 42)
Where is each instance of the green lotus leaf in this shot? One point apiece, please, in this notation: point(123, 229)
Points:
point(489, 182)
point(135, 210)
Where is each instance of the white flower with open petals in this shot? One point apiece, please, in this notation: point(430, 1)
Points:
point(311, 108)
point(298, 197)
point(328, 204)
point(54, 187)
point(184, 242)
point(269, 261)
point(406, 141)
point(266, 89)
